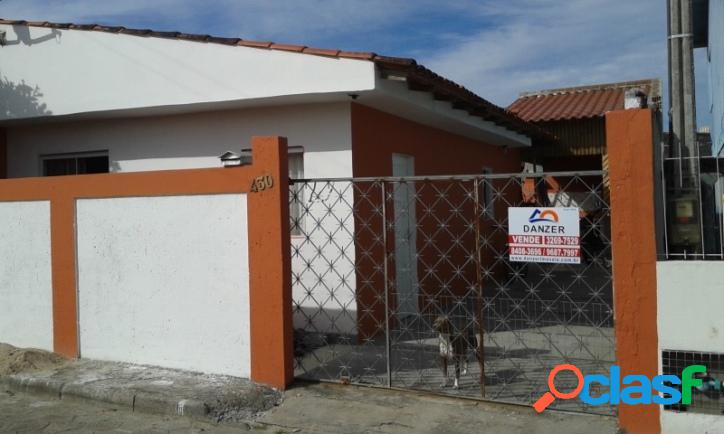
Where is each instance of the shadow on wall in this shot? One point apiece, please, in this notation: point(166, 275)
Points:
point(22, 34)
point(20, 100)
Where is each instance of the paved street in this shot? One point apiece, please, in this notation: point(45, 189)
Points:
point(306, 409)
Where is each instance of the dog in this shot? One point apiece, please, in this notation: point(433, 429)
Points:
point(454, 345)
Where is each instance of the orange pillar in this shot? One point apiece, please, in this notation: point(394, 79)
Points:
point(629, 139)
point(272, 353)
point(62, 247)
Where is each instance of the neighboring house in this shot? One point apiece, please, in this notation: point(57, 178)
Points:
point(709, 34)
point(576, 116)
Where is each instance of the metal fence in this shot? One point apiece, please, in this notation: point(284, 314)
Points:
point(388, 274)
point(693, 226)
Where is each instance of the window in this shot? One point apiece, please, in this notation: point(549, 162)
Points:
point(488, 195)
point(706, 398)
point(74, 164)
point(296, 171)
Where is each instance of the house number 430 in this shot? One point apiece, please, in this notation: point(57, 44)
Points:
point(262, 183)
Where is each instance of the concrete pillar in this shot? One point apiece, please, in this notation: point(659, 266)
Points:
point(629, 140)
point(270, 274)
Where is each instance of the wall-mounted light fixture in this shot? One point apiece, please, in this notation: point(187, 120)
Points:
point(232, 159)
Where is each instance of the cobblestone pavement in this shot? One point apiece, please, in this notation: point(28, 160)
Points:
point(306, 409)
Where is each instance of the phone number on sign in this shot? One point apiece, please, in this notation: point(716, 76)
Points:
point(543, 240)
point(545, 251)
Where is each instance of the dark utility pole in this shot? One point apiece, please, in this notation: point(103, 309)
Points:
point(683, 183)
point(682, 112)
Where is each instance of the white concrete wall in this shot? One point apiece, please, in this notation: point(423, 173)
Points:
point(191, 140)
point(165, 281)
point(26, 292)
point(688, 423)
point(690, 300)
point(196, 140)
point(57, 72)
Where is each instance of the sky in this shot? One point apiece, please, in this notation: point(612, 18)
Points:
point(496, 48)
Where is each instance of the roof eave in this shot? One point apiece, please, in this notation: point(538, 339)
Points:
point(420, 78)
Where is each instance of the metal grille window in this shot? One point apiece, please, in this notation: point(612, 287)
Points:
point(707, 398)
point(693, 209)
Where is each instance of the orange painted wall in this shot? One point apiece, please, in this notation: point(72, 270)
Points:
point(375, 137)
point(269, 261)
point(630, 157)
point(270, 295)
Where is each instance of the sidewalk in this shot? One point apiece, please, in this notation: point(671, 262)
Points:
point(137, 388)
point(84, 386)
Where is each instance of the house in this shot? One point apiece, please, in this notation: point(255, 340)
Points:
point(90, 98)
point(191, 269)
point(576, 116)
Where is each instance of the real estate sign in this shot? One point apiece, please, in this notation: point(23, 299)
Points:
point(549, 235)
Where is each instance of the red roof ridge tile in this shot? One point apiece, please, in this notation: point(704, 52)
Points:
point(254, 44)
point(590, 88)
point(581, 102)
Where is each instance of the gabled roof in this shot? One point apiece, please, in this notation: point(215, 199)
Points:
point(417, 76)
point(581, 102)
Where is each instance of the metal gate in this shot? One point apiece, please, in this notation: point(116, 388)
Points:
point(382, 267)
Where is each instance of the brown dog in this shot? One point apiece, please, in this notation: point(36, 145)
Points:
point(454, 346)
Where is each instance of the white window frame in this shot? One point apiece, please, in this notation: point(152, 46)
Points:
point(296, 171)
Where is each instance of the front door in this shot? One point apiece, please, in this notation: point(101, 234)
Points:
point(405, 236)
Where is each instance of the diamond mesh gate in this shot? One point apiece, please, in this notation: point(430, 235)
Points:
point(382, 267)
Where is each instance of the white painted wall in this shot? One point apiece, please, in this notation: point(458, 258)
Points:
point(678, 423)
point(73, 71)
point(690, 300)
point(26, 292)
point(165, 281)
point(190, 140)
point(196, 140)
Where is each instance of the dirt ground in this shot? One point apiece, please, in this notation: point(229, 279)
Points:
point(323, 409)
point(14, 360)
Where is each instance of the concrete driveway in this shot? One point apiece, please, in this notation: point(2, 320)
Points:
point(329, 408)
